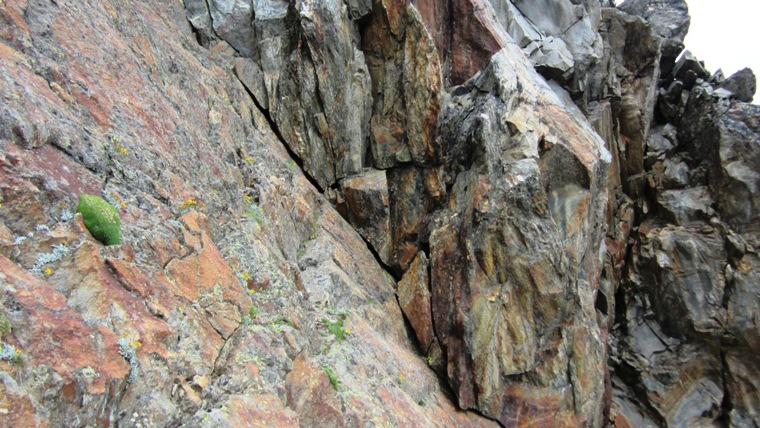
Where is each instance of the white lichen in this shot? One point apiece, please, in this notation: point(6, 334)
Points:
point(67, 215)
point(128, 350)
point(56, 254)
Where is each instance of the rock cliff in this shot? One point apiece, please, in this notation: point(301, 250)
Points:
point(375, 213)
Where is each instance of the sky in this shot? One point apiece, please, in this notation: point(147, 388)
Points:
point(724, 34)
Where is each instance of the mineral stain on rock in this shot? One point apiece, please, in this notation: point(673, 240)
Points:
point(466, 213)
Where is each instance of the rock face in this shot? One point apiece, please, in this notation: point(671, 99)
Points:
point(679, 336)
point(396, 219)
point(216, 310)
point(669, 20)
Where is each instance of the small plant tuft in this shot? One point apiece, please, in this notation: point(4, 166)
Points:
point(332, 376)
point(101, 219)
point(250, 316)
point(284, 321)
point(336, 328)
point(5, 325)
point(190, 204)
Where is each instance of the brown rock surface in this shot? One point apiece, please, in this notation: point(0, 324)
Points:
point(367, 207)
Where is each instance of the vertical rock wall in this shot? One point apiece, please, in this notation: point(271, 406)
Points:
point(495, 197)
point(331, 206)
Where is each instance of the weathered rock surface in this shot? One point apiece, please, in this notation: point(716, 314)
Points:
point(211, 312)
point(560, 36)
point(678, 327)
point(375, 213)
point(367, 209)
point(669, 20)
point(741, 84)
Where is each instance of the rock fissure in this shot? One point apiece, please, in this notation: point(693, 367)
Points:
point(275, 129)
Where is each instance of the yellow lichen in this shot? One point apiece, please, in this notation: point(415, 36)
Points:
point(191, 203)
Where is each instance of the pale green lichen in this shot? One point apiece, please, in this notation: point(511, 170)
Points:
point(11, 354)
point(57, 253)
point(66, 215)
point(253, 211)
point(128, 350)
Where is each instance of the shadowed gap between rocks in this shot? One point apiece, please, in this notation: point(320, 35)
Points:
point(273, 126)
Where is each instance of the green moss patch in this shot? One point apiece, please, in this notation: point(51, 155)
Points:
point(332, 376)
point(101, 219)
point(336, 328)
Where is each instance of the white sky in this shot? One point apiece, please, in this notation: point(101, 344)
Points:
point(723, 34)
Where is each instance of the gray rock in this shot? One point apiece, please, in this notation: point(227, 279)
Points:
point(688, 69)
point(576, 24)
point(676, 174)
point(683, 207)
point(662, 140)
point(252, 77)
point(682, 270)
point(553, 60)
point(199, 17)
point(359, 8)
point(741, 84)
point(671, 102)
point(669, 20)
point(517, 25)
point(553, 17)
point(632, 51)
point(232, 20)
point(722, 136)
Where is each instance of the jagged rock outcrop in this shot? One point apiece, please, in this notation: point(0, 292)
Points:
point(669, 20)
point(375, 212)
point(693, 256)
point(680, 335)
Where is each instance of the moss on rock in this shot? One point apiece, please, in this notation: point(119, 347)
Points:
point(101, 219)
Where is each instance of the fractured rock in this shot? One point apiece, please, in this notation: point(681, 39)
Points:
point(669, 20)
point(368, 210)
